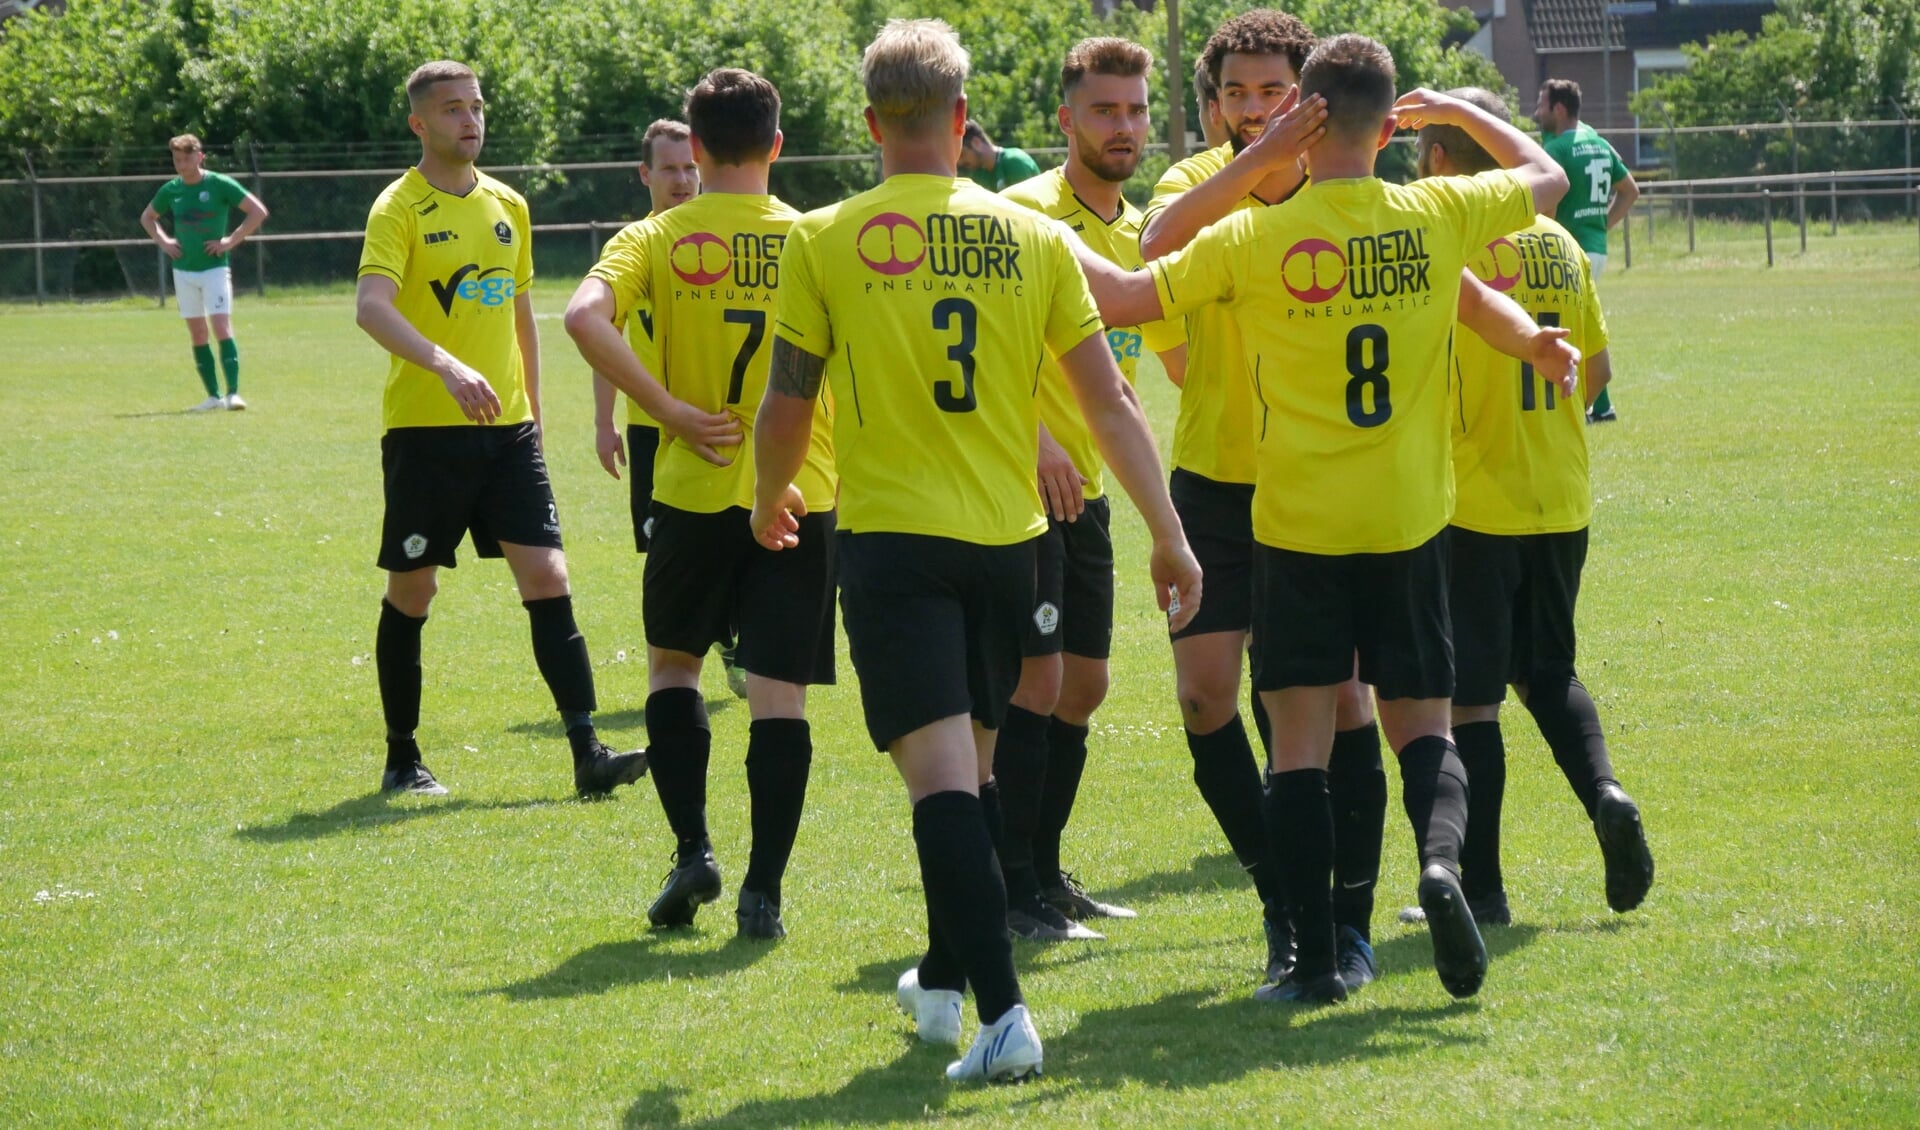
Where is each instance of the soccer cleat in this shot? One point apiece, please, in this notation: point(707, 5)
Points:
point(690, 883)
point(1353, 959)
point(210, 404)
point(736, 674)
point(234, 403)
point(1283, 949)
point(1623, 843)
point(1071, 899)
point(600, 772)
point(935, 1012)
point(759, 917)
point(1005, 1051)
point(1459, 956)
point(413, 778)
point(1037, 921)
point(1328, 988)
point(1607, 417)
point(1488, 910)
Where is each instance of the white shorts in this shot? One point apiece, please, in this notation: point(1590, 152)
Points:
point(201, 293)
point(1599, 263)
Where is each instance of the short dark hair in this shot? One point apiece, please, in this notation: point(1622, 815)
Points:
point(1563, 92)
point(1263, 31)
point(663, 127)
point(185, 143)
point(1356, 77)
point(426, 75)
point(1205, 90)
point(975, 132)
point(735, 114)
point(1103, 55)
point(1467, 154)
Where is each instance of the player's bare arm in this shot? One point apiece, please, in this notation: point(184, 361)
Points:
point(526, 333)
point(1516, 152)
point(375, 313)
point(608, 444)
point(1599, 375)
point(253, 214)
point(590, 322)
point(150, 220)
point(1625, 192)
point(1125, 298)
point(1061, 483)
point(1272, 162)
point(1119, 426)
point(1504, 324)
point(1174, 361)
point(781, 431)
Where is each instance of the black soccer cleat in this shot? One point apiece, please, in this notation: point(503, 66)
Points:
point(1623, 844)
point(1283, 949)
point(1038, 921)
point(414, 779)
point(759, 917)
point(1071, 899)
point(1327, 988)
point(1459, 956)
point(1353, 959)
point(601, 771)
point(692, 882)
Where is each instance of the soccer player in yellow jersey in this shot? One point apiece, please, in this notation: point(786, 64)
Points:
point(1347, 294)
point(444, 288)
point(1042, 748)
point(671, 178)
point(1519, 541)
point(1206, 93)
point(928, 304)
point(709, 270)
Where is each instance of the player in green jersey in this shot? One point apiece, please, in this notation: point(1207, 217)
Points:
point(197, 201)
point(990, 166)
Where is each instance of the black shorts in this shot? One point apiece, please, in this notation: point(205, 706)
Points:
point(706, 579)
point(442, 483)
point(934, 625)
point(642, 443)
point(1313, 611)
point(1218, 518)
point(1512, 599)
point(1073, 586)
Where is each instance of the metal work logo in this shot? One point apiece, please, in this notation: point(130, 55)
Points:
point(1531, 261)
point(891, 244)
point(1313, 270)
point(705, 259)
point(1498, 265)
point(700, 259)
point(1385, 265)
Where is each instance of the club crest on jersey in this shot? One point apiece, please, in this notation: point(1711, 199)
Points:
point(1382, 271)
point(503, 232)
point(205, 196)
point(414, 547)
point(1047, 618)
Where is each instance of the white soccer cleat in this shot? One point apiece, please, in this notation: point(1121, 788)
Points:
point(1005, 1051)
point(234, 403)
point(935, 1012)
point(210, 404)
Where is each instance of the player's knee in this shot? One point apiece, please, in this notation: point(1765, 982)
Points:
point(1467, 715)
point(1353, 707)
point(1039, 688)
point(1207, 701)
point(1081, 692)
point(412, 593)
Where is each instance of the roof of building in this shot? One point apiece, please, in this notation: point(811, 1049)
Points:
point(1572, 25)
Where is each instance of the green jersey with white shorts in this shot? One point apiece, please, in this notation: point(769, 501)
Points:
point(199, 216)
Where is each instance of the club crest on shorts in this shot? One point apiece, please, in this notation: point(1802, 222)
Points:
point(414, 546)
point(503, 232)
point(1047, 618)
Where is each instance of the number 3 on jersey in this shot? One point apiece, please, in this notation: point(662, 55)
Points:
point(1369, 376)
point(945, 313)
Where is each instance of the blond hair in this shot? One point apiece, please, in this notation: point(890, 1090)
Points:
point(914, 71)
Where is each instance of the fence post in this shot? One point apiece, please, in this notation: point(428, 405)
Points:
point(1833, 207)
point(1800, 206)
point(1650, 206)
point(1906, 123)
point(593, 243)
point(1626, 239)
point(1689, 219)
point(39, 253)
point(259, 249)
point(1766, 211)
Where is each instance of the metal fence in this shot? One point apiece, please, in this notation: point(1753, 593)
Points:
point(1789, 202)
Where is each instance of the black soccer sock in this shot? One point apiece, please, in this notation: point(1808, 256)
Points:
point(396, 659)
point(1066, 762)
point(966, 897)
point(1020, 771)
point(1570, 723)
point(560, 651)
point(779, 755)
point(1433, 790)
point(1229, 781)
point(1483, 753)
point(1022, 887)
point(1299, 815)
point(679, 742)
point(1357, 789)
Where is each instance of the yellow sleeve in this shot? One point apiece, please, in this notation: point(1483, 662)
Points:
point(1202, 271)
point(1593, 322)
point(389, 236)
point(1073, 317)
point(1159, 337)
point(1172, 183)
point(800, 312)
point(626, 267)
point(523, 264)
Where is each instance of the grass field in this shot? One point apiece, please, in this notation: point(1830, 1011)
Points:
point(208, 917)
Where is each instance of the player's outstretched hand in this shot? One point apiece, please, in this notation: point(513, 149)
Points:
point(1061, 483)
point(1291, 131)
point(1176, 581)
point(779, 529)
point(704, 432)
point(1423, 107)
point(1554, 357)
point(468, 388)
point(611, 449)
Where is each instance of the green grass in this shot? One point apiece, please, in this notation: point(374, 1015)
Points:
point(233, 931)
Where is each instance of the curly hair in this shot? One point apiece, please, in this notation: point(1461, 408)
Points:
point(1263, 31)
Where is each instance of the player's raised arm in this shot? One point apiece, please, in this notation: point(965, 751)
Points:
point(1515, 151)
point(1125, 298)
point(374, 311)
point(781, 431)
point(590, 322)
point(1505, 325)
point(1272, 160)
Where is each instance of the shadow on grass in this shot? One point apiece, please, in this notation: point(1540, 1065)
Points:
point(1216, 871)
point(372, 811)
point(1413, 950)
point(629, 719)
point(1188, 1040)
point(649, 957)
point(162, 415)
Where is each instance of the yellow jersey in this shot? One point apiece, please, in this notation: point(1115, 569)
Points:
point(1347, 296)
point(934, 303)
point(1118, 242)
point(638, 327)
point(1519, 446)
point(459, 261)
point(1213, 435)
point(709, 270)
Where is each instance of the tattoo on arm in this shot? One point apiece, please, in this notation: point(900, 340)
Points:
point(796, 372)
